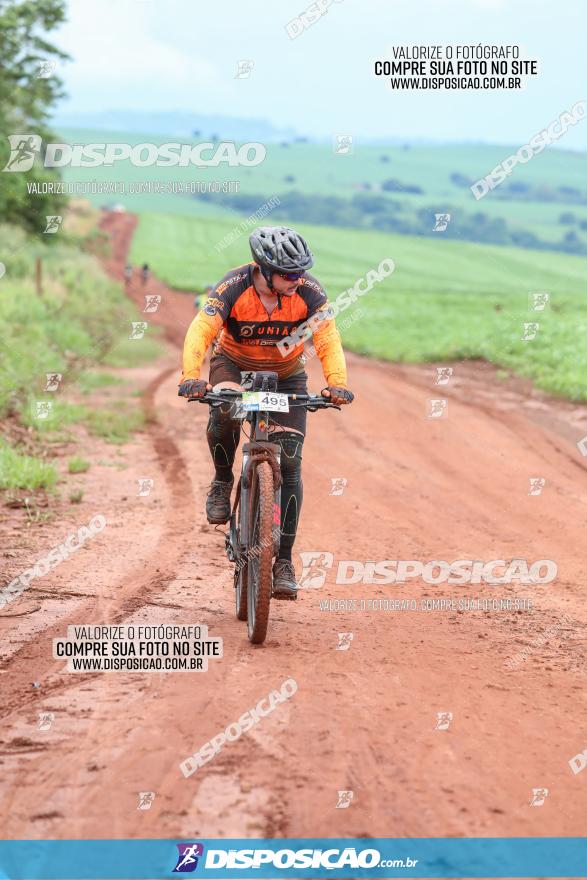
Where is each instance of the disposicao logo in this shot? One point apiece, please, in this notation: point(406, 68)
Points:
point(187, 859)
point(24, 149)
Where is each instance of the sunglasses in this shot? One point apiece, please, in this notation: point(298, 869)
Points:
point(291, 276)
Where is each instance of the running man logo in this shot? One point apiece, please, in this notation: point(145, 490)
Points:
point(443, 375)
point(538, 301)
point(244, 68)
point(437, 408)
point(582, 445)
point(138, 329)
point(537, 484)
point(443, 720)
point(46, 68)
point(314, 566)
point(344, 799)
point(539, 795)
point(43, 409)
point(146, 799)
point(441, 222)
point(344, 641)
point(53, 222)
point(23, 150)
point(53, 381)
point(145, 486)
point(152, 302)
point(187, 860)
point(339, 484)
point(343, 144)
point(530, 331)
point(45, 720)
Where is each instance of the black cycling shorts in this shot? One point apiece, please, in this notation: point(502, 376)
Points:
point(222, 369)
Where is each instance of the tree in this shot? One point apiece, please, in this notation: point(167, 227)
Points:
point(27, 100)
point(567, 218)
point(460, 179)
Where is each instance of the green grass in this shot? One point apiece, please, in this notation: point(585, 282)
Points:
point(135, 352)
point(446, 299)
point(20, 471)
point(115, 426)
point(90, 381)
point(76, 496)
point(81, 319)
point(78, 465)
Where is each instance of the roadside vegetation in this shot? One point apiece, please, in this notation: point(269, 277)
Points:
point(57, 336)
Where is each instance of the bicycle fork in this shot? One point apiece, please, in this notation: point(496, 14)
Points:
point(253, 454)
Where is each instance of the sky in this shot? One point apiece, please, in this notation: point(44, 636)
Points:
point(183, 55)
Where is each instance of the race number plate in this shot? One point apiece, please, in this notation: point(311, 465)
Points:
point(265, 400)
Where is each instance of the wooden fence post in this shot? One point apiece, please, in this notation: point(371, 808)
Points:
point(39, 276)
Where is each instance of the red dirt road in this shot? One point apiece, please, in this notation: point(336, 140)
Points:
point(363, 719)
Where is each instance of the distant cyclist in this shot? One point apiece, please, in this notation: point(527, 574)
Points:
point(145, 273)
point(254, 306)
point(200, 298)
point(127, 274)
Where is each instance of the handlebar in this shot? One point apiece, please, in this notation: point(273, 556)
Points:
point(312, 402)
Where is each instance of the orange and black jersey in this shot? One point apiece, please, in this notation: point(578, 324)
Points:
point(249, 334)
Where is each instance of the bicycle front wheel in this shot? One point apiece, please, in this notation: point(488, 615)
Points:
point(260, 552)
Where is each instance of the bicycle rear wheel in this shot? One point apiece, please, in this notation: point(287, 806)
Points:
point(260, 552)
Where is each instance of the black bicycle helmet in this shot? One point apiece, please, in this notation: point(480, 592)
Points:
point(279, 249)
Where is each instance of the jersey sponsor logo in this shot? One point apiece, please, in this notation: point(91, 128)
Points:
point(314, 286)
point(260, 330)
point(210, 310)
point(225, 284)
point(215, 303)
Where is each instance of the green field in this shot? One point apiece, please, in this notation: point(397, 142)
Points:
point(317, 169)
point(446, 300)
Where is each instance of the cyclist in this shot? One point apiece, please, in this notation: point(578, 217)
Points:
point(145, 273)
point(253, 307)
point(200, 298)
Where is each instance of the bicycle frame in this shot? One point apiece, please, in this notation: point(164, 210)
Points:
point(253, 589)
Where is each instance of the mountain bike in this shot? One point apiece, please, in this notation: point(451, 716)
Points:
point(254, 527)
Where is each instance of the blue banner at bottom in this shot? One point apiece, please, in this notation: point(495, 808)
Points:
point(297, 857)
